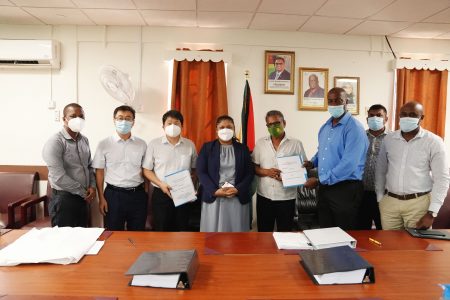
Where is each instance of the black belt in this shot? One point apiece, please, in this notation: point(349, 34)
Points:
point(128, 189)
point(408, 196)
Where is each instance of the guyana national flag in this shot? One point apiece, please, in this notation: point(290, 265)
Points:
point(248, 119)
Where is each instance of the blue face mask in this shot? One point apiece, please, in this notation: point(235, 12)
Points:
point(408, 124)
point(375, 123)
point(336, 111)
point(123, 126)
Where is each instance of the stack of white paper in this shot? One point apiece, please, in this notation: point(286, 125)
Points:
point(55, 245)
point(291, 240)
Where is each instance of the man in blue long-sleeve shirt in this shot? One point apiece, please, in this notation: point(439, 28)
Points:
point(340, 164)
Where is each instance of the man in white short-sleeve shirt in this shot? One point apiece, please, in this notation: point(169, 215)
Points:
point(118, 162)
point(274, 203)
point(166, 155)
point(412, 175)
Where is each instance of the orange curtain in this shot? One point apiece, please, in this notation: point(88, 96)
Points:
point(199, 92)
point(430, 89)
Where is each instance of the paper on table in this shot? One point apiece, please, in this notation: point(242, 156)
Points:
point(292, 171)
point(57, 245)
point(355, 276)
point(95, 249)
point(291, 240)
point(163, 281)
point(182, 187)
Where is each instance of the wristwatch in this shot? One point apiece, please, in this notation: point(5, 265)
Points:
point(432, 213)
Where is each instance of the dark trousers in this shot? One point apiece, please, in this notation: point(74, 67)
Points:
point(339, 204)
point(268, 212)
point(126, 207)
point(66, 209)
point(369, 212)
point(167, 217)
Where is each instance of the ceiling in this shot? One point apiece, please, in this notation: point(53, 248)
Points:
point(397, 18)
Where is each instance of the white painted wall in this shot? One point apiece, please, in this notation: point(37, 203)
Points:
point(24, 94)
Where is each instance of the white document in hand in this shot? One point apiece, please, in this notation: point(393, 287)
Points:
point(292, 171)
point(291, 241)
point(227, 185)
point(183, 190)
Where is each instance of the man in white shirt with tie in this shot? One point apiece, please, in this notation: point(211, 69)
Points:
point(280, 72)
point(412, 174)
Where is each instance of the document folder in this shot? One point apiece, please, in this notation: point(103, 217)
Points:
point(329, 237)
point(167, 269)
point(338, 265)
point(429, 234)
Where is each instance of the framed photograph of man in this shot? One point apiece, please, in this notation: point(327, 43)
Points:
point(279, 68)
point(351, 87)
point(313, 88)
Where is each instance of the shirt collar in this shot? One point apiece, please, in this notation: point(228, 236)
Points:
point(385, 132)
point(398, 134)
point(286, 138)
point(164, 140)
point(117, 138)
point(67, 136)
point(342, 121)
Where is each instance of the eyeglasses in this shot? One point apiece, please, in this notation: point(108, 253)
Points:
point(278, 63)
point(273, 124)
point(129, 119)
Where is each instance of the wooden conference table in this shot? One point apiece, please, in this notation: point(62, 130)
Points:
point(235, 266)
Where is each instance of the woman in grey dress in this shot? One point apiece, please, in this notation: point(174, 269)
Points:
point(225, 171)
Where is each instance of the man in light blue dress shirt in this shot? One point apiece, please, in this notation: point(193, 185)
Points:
point(340, 163)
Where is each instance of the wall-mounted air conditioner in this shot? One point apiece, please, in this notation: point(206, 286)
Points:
point(29, 54)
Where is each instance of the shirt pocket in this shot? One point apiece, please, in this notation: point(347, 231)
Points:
point(134, 158)
point(184, 162)
point(419, 158)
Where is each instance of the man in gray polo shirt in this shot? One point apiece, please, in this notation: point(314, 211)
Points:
point(70, 173)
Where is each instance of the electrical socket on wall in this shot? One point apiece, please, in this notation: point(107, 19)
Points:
point(56, 115)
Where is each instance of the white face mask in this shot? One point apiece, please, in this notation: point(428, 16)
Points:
point(172, 130)
point(76, 124)
point(225, 134)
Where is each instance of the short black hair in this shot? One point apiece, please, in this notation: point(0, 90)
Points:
point(224, 118)
point(279, 57)
point(125, 108)
point(73, 105)
point(272, 113)
point(338, 91)
point(377, 107)
point(175, 114)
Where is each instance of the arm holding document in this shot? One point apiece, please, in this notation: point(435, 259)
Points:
point(182, 187)
point(312, 182)
point(150, 175)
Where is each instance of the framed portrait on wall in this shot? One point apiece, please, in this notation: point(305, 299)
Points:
point(279, 72)
point(351, 87)
point(313, 88)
